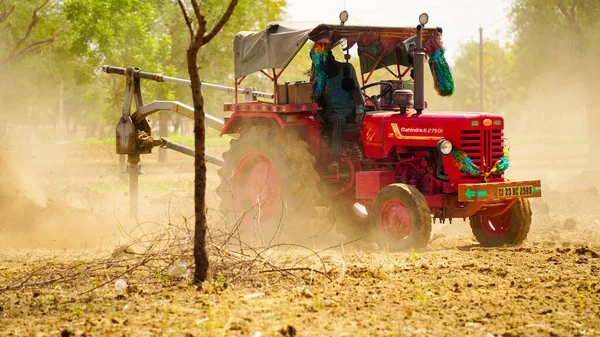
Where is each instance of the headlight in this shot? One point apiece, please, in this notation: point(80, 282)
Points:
point(445, 146)
point(506, 143)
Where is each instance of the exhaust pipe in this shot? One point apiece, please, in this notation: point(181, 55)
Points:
point(419, 67)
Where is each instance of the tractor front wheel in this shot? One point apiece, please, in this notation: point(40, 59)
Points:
point(508, 228)
point(400, 218)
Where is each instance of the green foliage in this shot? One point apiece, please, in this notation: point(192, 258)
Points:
point(498, 81)
point(557, 43)
point(16, 20)
point(21, 56)
point(148, 34)
point(216, 58)
point(119, 33)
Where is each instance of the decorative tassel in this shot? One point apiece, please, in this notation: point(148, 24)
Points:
point(440, 70)
point(464, 163)
point(502, 164)
point(319, 54)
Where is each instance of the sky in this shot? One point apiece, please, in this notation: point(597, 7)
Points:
point(460, 19)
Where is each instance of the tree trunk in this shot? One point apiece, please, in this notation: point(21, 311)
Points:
point(200, 257)
point(198, 39)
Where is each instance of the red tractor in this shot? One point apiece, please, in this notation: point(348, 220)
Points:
point(402, 166)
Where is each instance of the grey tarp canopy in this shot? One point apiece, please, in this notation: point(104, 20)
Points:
point(273, 47)
point(276, 46)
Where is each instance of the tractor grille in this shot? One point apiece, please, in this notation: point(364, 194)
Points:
point(484, 147)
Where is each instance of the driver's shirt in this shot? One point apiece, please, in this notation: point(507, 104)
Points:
point(337, 99)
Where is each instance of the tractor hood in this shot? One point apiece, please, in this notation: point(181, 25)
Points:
point(385, 131)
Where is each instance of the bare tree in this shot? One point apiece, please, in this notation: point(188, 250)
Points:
point(198, 38)
point(23, 48)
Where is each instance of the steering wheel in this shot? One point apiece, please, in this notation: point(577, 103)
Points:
point(375, 98)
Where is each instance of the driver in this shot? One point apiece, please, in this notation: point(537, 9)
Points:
point(336, 90)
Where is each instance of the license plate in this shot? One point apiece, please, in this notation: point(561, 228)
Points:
point(517, 191)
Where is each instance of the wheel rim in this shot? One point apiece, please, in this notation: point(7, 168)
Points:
point(395, 220)
point(496, 226)
point(255, 186)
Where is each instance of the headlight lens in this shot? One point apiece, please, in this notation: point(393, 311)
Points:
point(506, 143)
point(445, 146)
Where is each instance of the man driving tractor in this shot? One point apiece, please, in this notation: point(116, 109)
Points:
point(336, 90)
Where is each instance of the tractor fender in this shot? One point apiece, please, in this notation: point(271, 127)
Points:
point(234, 123)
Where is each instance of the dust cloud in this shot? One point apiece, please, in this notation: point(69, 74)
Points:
point(552, 131)
point(38, 207)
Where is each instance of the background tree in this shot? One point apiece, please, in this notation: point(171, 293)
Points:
point(198, 38)
point(20, 37)
point(499, 77)
point(29, 32)
point(121, 33)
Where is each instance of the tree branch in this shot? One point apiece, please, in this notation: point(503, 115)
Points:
point(569, 16)
point(197, 12)
point(37, 45)
point(188, 20)
point(206, 39)
point(6, 14)
point(34, 21)
point(18, 53)
point(197, 41)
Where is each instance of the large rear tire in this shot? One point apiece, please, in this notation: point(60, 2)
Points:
point(268, 182)
point(400, 218)
point(508, 228)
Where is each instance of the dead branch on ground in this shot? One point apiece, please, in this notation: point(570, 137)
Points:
point(153, 247)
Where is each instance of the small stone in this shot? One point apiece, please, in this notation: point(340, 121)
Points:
point(307, 293)
point(255, 295)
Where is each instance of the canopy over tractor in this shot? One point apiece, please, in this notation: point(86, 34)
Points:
point(276, 46)
point(400, 168)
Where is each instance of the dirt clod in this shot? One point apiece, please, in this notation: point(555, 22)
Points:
point(66, 333)
point(288, 331)
point(586, 251)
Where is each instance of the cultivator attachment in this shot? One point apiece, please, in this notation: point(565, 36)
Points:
point(134, 134)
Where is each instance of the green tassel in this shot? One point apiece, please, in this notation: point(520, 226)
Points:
point(440, 70)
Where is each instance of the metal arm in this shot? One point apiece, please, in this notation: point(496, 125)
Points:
point(249, 92)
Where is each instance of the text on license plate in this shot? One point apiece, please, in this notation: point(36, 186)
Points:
point(518, 191)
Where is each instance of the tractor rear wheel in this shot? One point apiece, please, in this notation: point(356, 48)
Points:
point(510, 227)
point(400, 218)
point(268, 180)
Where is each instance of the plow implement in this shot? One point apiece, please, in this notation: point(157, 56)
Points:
point(134, 134)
